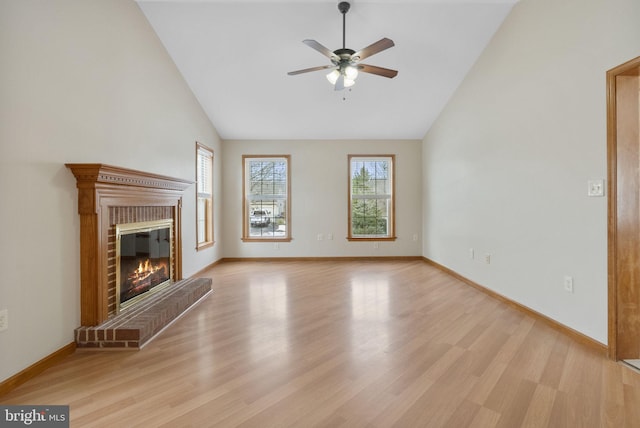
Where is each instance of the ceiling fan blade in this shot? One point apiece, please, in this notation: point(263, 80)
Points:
point(320, 48)
point(373, 49)
point(380, 71)
point(307, 70)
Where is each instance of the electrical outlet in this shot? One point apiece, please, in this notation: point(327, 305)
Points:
point(487, 259)
point(568, 284)
point(330, 236)
point(375, 245)
point(415, 237)
point(319, 236)
point(4, 319)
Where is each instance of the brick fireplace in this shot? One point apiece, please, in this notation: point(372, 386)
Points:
point(110, 198)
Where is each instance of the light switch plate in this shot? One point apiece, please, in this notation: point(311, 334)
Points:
point(595, 188)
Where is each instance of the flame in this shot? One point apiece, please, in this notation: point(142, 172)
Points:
point(146, 267)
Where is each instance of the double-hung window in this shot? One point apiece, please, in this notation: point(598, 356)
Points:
point(204, 196)
point(266, 201)
point(371, 197)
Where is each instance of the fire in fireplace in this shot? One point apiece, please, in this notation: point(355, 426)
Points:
point(144, 260)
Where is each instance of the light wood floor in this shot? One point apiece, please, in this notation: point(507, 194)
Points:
point(344, 344)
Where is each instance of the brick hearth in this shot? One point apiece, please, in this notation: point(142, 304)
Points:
point(133, 328)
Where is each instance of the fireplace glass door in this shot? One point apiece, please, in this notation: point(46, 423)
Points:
point(144, 260)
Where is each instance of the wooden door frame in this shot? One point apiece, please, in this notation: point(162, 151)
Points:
point(615, 288)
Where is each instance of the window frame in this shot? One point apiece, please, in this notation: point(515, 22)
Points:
point(208, 197)
point(391, 227)
point(246, 205)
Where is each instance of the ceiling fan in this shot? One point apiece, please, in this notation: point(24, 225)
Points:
point(345, 63)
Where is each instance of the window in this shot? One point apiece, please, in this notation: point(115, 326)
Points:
point(266, 198)
point(204, 196)
point(371, 197)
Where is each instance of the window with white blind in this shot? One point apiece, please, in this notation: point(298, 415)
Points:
point(266, 198)
point(371, 197)
point(204, 196)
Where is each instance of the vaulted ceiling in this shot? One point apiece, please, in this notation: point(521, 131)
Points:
point(235, 56)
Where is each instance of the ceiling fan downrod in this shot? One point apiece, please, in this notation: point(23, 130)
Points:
point(344, 7)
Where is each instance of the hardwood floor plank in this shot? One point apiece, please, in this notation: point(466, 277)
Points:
point(612, 408)
point(485, 418)
point(631, 407)
point(463, 416)
point(534, 353)
point(397, 405)
point(539, 410)
point(516, 404)
point(344, 343)
point(427, 356)
point(560, 416)
point(555, 363)
point(487, 383)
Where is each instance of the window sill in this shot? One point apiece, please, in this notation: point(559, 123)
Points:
point(269, 239)
point(205, 245)
point(373, 238)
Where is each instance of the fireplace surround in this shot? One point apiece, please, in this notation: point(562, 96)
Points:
point(112, 199)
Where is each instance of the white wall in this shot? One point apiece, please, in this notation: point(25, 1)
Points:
point(319, 185)
point(80, 82)
point(506, 165)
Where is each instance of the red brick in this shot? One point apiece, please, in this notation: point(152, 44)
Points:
point(113, 344)
point(127, 334)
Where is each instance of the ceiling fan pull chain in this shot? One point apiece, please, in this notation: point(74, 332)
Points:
point(344, 95)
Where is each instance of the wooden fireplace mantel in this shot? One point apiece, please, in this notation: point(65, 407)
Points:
point(103, 186)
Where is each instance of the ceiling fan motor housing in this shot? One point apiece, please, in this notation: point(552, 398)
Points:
point(343, 55)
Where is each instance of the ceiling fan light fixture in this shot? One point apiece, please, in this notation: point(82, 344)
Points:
point(350, 72)
point(333, 77)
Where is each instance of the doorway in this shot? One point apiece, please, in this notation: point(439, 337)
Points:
point(623, 153)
